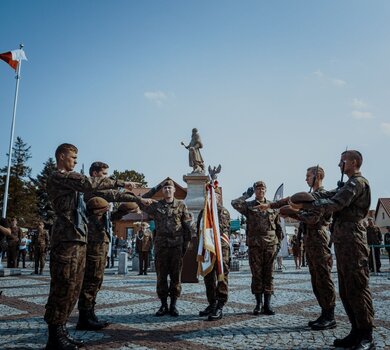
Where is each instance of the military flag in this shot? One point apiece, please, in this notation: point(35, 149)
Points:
point(210, 249)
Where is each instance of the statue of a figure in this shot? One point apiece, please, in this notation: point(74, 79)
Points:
point(195, 158)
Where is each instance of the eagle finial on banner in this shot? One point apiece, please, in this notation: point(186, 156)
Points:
point(213, 172)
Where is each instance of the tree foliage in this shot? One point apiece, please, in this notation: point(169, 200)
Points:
point(45, 210)
point(130, 175)
point(21, 192)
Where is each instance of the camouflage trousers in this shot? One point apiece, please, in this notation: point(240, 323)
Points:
point(169, 262)
point(319, 260)
point(352, 268)
point(94, 273)
point(218, 290)
point(12, 255)
point(261, 262)
point(67, 265)
point(39, 258)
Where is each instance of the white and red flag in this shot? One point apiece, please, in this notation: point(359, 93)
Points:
point(13, 57)
point(210, 249)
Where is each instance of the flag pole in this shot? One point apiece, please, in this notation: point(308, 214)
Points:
point(11, 141)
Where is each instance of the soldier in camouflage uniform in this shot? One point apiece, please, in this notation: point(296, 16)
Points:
point(68, 242)
point(40, 243)
point(350, 205)
point(217, 291)
point(374, 237)
point(173, 234)
point(99, 235)
point(264, 233)
point(13, 241)
point(319, 257)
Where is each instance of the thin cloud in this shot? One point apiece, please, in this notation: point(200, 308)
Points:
point(334, 81)
point(338, 82)
point(157, 97)
point(358, 104)
point(386, 128)
point(362, 115)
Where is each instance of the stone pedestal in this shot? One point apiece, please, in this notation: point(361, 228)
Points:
point(195, 203)
point(122, 264)
point(135, 263)
point(195, 192)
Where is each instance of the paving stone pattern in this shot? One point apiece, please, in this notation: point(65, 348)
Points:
point(129, 303)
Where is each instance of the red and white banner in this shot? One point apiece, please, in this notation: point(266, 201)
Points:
point(210, 249)
point(13, 57)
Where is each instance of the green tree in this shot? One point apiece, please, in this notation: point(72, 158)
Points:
point(21, 193)
point(130, 175)
point(45, 210)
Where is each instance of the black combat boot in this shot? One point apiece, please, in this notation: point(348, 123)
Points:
point(327, 320)
point(365, 340)
point(172, 308)
point(163, 310)
point(349, 341)
point(259, 302)
point(58, 340)
point(310, 323)
point(207, 311)
point(266, 309)
point(95, 318)
point(72, 340)
point(87, 323)
point(216, 313)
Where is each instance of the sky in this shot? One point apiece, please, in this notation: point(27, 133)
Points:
point(273, 87)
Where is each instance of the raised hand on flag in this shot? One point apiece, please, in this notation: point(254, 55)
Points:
point(13, 57)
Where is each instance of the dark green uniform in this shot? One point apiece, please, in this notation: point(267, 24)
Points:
point(99, 236)
point(263, 234)
point(68, 245)
point(13, 246)
point(350, 205)
point(40, 244)
point(319, 257)
point(173, 233)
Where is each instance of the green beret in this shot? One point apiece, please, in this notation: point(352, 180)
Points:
point(97, 203)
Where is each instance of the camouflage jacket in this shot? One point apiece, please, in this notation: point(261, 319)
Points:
point(374, 235)
point(224, 225)
point(263, 227)
point(312, 219)
point(173, 222)
point(41, 238)
point(99, 229)
point(16, 235)
point(350, 203)
point(112, 196)
point(63, 188)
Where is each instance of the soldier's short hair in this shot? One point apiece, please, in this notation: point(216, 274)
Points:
point(97, 166)
point(317, 171)
point(65, 148)
point(354, 155)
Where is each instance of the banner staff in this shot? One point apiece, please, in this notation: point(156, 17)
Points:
point(18, 56)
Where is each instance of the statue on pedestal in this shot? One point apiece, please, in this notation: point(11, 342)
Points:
point(195, 157)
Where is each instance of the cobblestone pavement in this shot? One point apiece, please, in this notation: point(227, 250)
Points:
point(129, 302)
